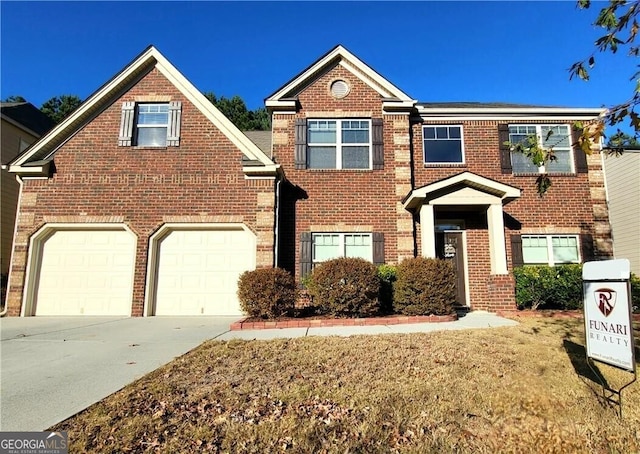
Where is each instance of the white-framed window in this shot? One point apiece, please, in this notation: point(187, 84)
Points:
point(557, 137)
point(327, 246)
point(550, 249)
point(443, 144)
point(339, 144)
point(152, 121)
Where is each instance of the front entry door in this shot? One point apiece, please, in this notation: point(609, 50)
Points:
point(449, 246)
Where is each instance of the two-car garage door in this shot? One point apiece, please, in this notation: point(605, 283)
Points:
point(194, 271)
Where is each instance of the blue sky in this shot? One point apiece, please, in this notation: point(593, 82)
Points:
point(434, 51)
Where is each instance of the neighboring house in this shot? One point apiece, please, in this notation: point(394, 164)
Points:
point(622, 175)
point(22, 124)
point(147, 201)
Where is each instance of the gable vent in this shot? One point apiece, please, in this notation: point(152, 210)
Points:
point(339, 89)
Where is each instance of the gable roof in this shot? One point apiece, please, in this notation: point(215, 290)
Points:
point(284, 97)
point(44, 150)
point(26, 116)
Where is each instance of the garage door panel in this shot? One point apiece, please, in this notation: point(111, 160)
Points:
point(198, 270)
point(86, 272)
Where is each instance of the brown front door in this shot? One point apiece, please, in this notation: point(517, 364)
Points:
point(449, 246)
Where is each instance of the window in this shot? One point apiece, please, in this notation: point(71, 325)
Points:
point(151, 125)
point(442, 144)
point(339, 144)
point(550, 136)
point(327, 246)
point(550, 249)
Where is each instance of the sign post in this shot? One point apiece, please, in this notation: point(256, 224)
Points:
point(607, 318)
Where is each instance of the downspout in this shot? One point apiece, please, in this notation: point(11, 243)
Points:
point(5, 309)
point(276, 239)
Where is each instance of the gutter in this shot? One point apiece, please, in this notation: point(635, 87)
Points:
point(276, 236)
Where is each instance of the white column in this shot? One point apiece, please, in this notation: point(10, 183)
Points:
point(497, 248)
point(427, 231)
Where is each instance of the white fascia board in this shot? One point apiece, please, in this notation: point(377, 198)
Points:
point(246, 146)
point(288, 104)
point(351, 63)
point(402, 105)
point(266, 171)
point(87, 105)
point(495, 113)
point(506, 191)
point(31, 171)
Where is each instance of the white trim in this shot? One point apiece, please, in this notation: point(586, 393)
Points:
point(497, 247)
point(428, 230)
point(352, 64)
point(505, 118)
point(549, 239)
point(153, 57)
point(339, 145)
point(153, 256)
point(34, 257)
point(505, 192)
point(341, 244)
point(512, 111)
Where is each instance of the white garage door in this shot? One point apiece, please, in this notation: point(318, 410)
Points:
point(86, 272)
point(198, 271)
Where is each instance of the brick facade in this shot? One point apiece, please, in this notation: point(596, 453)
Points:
point(97, 181)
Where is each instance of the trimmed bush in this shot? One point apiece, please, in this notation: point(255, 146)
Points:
point(267, 292)
point(549, 287)
point(425, 287)
point(387, 275)
point(345, 287)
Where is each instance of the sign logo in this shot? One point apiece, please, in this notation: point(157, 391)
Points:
point(606, 300)
point(34, 443)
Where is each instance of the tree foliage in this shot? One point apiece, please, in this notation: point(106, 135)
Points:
point(235, 109)
point(59, 107)
point(619, 19)
point(14, 98)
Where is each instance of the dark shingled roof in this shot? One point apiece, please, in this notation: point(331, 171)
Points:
point(262, 139)
point(28, 116)
point(477, 105)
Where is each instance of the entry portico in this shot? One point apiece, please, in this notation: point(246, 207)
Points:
point(465, 191)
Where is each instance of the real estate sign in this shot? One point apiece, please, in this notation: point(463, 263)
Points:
point(607, 313)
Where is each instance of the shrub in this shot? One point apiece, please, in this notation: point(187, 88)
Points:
point(549, 287)
point(387, 275)
point(267, 292)
point(345, 287)
point(425, 287)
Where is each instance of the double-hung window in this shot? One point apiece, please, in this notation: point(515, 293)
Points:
point(339, 144)
point(556, 137)
point(152, 121)
point(443, 144)
point(146, 124)
point(550, 249)
point(327, 246)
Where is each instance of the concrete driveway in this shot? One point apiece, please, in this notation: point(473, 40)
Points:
point(54, 367)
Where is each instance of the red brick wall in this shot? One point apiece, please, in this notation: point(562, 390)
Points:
point(355, 198)
point(199, 181)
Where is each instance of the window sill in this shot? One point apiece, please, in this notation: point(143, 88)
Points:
point(536, 174)
point(149, 147)
point(444, 164)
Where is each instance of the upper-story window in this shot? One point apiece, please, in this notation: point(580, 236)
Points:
point(152, 121)
point(556, 137)
point(339, 144)
point(150, 124)
point(443, 144)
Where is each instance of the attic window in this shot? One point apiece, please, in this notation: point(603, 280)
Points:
point(339, 89)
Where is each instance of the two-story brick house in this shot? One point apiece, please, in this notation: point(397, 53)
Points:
point(353, 167)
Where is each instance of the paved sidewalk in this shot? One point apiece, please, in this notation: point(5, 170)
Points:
point(54, 367)
point(475, 319)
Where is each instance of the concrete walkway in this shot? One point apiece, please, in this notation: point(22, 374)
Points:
point(53, 367)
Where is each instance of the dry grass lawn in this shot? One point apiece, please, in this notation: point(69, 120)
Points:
point(517, 389)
